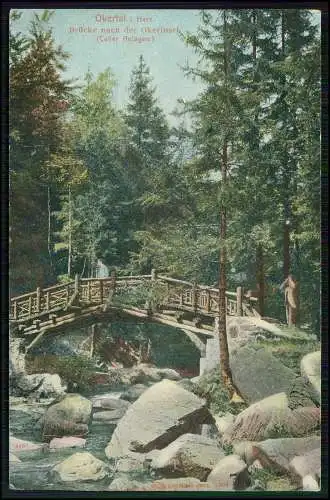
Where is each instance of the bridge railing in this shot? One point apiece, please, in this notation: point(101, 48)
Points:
point(205, 299)
point(93, 291)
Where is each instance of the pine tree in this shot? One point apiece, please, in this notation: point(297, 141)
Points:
point(218, 109)
point(38, 101)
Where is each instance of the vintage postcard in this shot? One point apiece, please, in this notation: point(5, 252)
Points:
point(164, 245)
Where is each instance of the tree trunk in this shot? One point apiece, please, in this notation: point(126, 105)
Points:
point(49, 243)
point(70, 235)
point(260, 279)
point(285, 169)
point(286, 245)
point(225, 370)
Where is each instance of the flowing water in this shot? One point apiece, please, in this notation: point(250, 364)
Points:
point(33, 472)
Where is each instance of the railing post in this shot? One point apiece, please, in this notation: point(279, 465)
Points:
point(47, 301)
point(208, 301)
point(239, 303)
point(101, 291)
point(153, 275)
point(88, 291)
point(15, 309)
point(38, 299)
point(76, 284)
point(30, 305)
point(151, 305)
point(194, 297)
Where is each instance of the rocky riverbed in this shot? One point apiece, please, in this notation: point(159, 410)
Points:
point(148, 428)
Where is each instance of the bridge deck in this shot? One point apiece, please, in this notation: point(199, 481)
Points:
point(157, 298)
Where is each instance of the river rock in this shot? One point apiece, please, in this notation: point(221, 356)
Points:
point(310, 367)
point(169, 374)
point(68, 417)
point(40, 385)
point(67, 442)
point(271, 417)
point(21, 447)
point(309, 483)
point(189, 455)
point(13, 458)
point(307, 464)
point(230, 472)
point(130, 463)
point(257, 374)
point(108, 416)
point(224, 422)
point(162, 413)
point(134, 392)
point(106, 402)
point(81, 467)
point(187, 384)
point(277, 453)
point(244, 449)
point(210, 431)
point(124, 483)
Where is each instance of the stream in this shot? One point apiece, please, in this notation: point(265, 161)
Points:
point(32, 473)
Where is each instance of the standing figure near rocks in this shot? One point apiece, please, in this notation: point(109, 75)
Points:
point(290, 286)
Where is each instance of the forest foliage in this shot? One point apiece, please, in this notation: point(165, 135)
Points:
point(90, 181)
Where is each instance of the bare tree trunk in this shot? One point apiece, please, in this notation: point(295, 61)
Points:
point(70, 235)
point(260, 279)
point(286, 244)
point(285, 167)
point(49, 242)
point(225, 370)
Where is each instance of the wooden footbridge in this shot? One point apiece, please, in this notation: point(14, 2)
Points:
point(161, 299)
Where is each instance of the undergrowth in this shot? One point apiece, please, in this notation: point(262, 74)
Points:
point(290, 353)
point(211, 388)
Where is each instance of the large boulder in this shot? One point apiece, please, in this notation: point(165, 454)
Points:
point(271, 417)
point(81, 467)
point(308, 464)
point(301, 393)
point(162, 413)
point(277, 454)
point(310, 367)
point(257, 374)
point(68, 417)
point(230, 472)
point(189, 455)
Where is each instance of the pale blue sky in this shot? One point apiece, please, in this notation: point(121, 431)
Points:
point(163, 55)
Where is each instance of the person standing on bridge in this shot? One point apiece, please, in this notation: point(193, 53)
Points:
point(290, 286)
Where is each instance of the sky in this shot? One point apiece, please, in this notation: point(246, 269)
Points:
point(108, 38)
point(96, 49)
